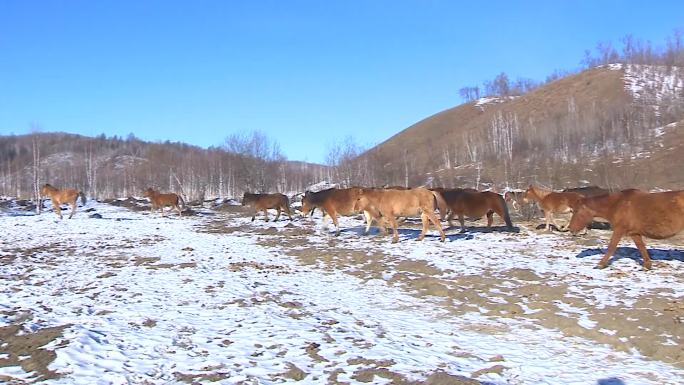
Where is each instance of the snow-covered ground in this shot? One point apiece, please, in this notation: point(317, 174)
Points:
point(137, 298)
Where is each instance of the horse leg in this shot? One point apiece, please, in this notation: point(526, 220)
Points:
point(369, 220)
point(450, 217)
point(179, 210)
point(461, 218)
point(266, 215)
point(337, 225)
point(424, 219)
point(393, 222)
point(612, 246)
point(559, 227)
point(490, 217)
point(73, 209)
point(58, 210)
point(639, 241)
point(255, 214)
point(277, 215)
point(438, 226)
point(548, 216)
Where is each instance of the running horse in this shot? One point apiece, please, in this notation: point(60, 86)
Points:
point(60, 196)
point(476, 204)
point(633, 213)
point(387, 205)
point(263, 202)
point(552, 203)
point(334, 201)
point(159, 200)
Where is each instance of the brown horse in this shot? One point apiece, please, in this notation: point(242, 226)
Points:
point(334, 201)
point(263, 202)
point(552, 203)
point(389, 204)
point(588, 191)
point(515, 198)
point(634, 213)
point(159, 200)
point(476, 204)
point(59, 196)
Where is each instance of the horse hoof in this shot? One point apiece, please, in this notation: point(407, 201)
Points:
point(600, 266)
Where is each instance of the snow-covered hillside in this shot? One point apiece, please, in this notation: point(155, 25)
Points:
point(651, 84)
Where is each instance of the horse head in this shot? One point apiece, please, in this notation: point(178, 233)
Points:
point(581, 216)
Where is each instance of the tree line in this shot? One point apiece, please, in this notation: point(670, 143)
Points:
point(112, 167)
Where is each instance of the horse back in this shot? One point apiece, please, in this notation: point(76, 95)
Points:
point(654, 215)
point(406, 202)
point(167, 199)
point(560, 201)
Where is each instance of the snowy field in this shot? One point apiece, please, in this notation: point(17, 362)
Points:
point(134, 298)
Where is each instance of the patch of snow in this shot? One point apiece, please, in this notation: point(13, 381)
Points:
point(651, 84)
point(481, 103)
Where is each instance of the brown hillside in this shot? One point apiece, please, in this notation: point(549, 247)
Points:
point(559, 134)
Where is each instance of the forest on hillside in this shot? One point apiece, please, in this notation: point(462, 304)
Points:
point(109, 167)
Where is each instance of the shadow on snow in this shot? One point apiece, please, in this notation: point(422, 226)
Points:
point(633, 253)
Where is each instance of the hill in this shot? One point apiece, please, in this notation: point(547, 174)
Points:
point(581, 129)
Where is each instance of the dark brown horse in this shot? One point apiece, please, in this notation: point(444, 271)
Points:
point(263, 202)
point(387, 205)
point(476, 204)
point(334, 202)
point(59, 196)
point(160, 200)
point(633, 213)
point(588, 191)
point(552, 203)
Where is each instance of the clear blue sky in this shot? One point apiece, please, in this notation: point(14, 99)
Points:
point(306, 73)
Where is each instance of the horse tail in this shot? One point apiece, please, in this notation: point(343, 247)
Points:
point(83, 197)
point(506, 216)
point(440, 203)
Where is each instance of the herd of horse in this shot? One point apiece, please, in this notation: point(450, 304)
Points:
point(633, 213)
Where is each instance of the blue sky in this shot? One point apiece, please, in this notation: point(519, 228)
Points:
point(306, 73)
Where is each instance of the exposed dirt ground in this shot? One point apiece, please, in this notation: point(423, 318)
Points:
point(651, 324)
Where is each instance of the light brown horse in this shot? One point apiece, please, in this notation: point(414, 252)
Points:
point(335, 201)
point(476, 204)
point(263, 202)
point(389, 204)
point(552, 203)
point(59, 196)
point(159, 200)
point(633, 213)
